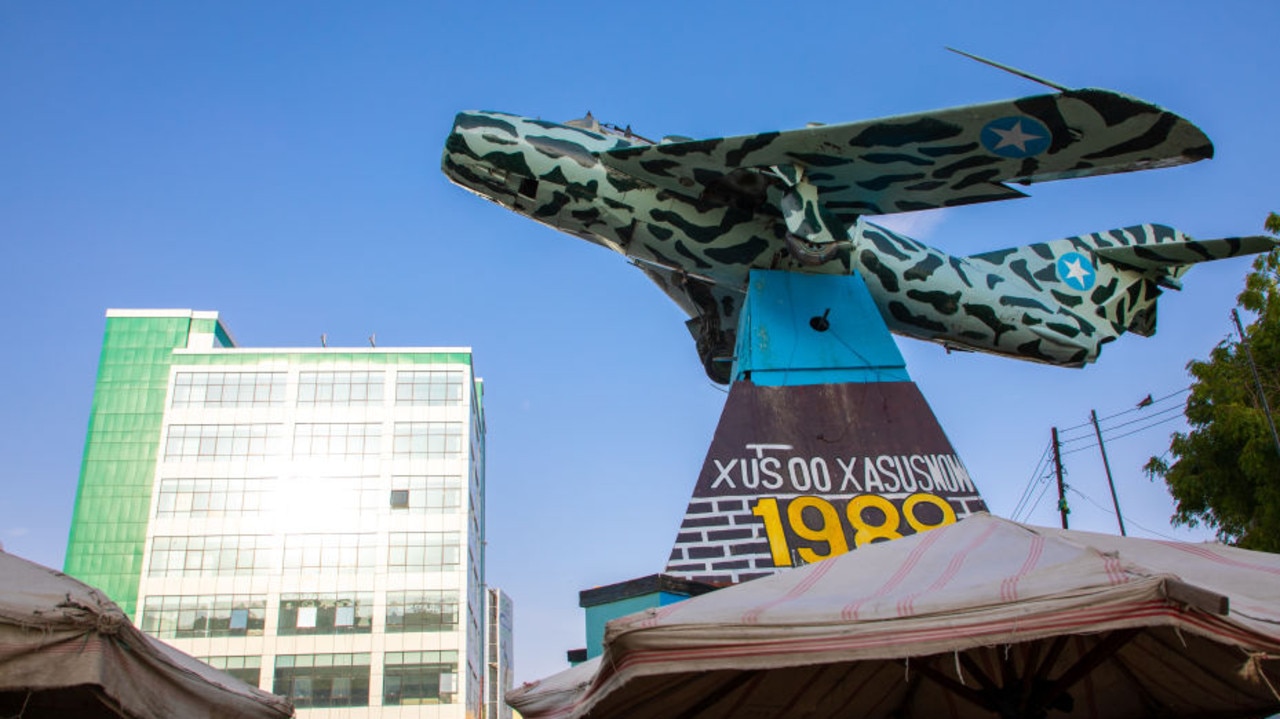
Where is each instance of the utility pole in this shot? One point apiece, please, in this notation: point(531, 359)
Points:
point(1062, 490)
point(1115, 501)
point(1257, 380)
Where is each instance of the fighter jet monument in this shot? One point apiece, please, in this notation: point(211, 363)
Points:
point(825, 444)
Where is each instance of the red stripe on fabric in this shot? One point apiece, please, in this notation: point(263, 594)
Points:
point(1111, 565)
point(1009, 587)
point(850, 611)
point(908, 605)
point(1088, 618)
point(751, 616)
point(1208, 553)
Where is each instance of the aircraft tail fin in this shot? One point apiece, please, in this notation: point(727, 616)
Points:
point(1133, 263)
point(1110, 281)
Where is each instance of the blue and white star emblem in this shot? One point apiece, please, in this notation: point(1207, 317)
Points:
point(1016, 137)
point(1076, 270)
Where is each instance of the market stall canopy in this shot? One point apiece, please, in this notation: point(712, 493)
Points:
point(68, 651)
point(985, 617)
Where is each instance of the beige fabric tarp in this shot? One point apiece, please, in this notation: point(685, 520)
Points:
point(985, 617)
point(66, 650)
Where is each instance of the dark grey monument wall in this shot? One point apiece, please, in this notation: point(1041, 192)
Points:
point(798, 474)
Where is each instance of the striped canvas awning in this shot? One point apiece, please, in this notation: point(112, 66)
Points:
point(981, 618)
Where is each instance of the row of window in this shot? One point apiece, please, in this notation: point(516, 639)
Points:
point(332, 389)
point(239, 615)
point(241, 554)
point(342, 680)
point(218, 497)
point(411, 440)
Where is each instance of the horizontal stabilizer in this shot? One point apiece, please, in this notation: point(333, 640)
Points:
point(1175, 254)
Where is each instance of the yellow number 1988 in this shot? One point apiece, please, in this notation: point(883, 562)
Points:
point(829, 533)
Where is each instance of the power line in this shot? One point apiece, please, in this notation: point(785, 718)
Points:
point(1151, 414)
point(1043, 491)
point(1155, 401)
point(1083, 427)
point(1042, 474)
point(1127, 518)
point(1145, 417)
point(1144, 428)
point(1163, 416)
point(1036, 475)
point(1152, 425)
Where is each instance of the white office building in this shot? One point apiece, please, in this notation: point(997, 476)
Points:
point(309, 520)
point(499, 654)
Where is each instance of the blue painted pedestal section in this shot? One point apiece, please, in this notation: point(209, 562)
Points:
point(798, 329)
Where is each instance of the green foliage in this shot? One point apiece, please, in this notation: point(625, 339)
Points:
point(1225, 471)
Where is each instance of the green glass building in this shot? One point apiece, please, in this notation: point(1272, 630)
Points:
point(310, 520)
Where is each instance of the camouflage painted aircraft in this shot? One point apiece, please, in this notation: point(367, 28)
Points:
point(697, 215)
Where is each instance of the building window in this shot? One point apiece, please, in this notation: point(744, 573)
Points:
point(210, 497)
point(433, 494)
point(187, 617)
point(246, 669)
point(340, 389)
point(323, 680)
point(328, 553)
point(228, 389)
point(422, 611)
point(210, 442)
point(428, 440)
point(325, 614)
point(209, 556)
point(419, 678)
point(399, 499)
point(321, 498)
point(337, 440)
point(432, 388)
point(423, 551)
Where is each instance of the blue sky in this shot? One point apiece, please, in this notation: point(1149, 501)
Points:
point(279, 162)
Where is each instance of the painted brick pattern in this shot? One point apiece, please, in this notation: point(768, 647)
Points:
point(723, 542)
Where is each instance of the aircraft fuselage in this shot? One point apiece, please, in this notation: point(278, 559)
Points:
point(1055, 302)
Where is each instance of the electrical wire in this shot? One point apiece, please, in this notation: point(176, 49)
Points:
point(1127, 518)
point(1089, 425)
point(1152, 425)
point(1035, 476)
point(1161, 416)
point(1043, 491)
point(1143, 418)
point(1167, 420)
point(1155, 401)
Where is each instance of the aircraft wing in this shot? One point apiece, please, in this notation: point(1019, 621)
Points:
point(936, 159)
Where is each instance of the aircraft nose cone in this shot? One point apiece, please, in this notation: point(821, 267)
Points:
point(475, 134)
point(491, 126)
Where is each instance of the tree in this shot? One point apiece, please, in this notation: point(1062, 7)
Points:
point(1225, 471)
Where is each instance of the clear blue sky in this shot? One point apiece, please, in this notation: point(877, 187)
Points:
point(279, 162)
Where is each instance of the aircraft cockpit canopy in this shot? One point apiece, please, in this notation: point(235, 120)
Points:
point(591, 124)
